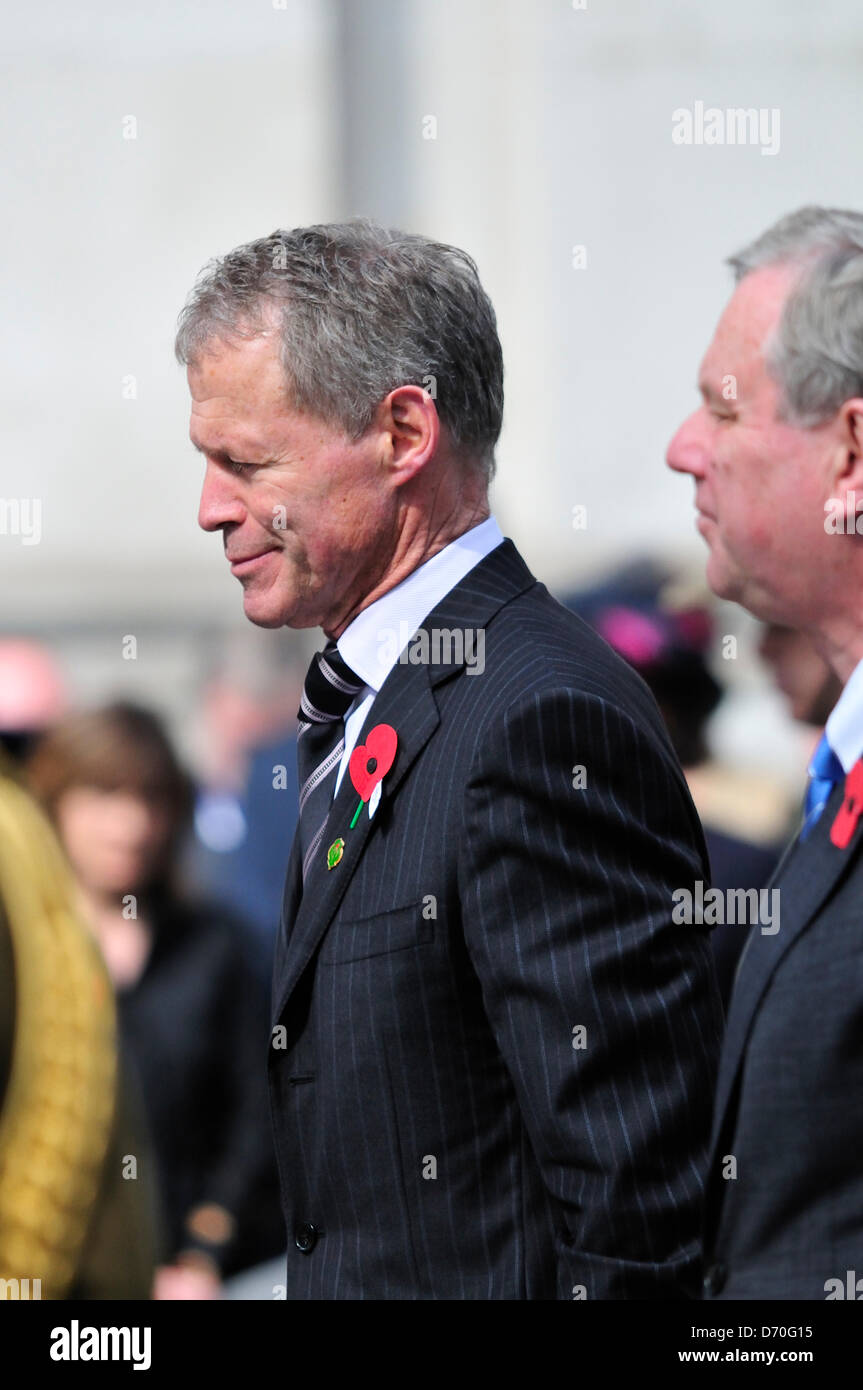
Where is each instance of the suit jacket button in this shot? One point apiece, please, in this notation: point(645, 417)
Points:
point(306, 1237)
point(714, 1280)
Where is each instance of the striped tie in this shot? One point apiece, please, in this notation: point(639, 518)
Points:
point(330, 689)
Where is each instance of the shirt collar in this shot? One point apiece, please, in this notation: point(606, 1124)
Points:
point(844, 728)
point(372, 642)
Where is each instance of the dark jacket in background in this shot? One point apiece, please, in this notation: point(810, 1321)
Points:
point(249, 878)
point(196, 1026)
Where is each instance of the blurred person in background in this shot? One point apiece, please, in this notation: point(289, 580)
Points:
point(32, 694)
point(191, 1014)
point(79, 1212)
point(246, 796)
point(644, 612)
point(800, 672)
point(810, 688)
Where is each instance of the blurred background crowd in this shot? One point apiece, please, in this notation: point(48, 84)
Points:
point(153, 726)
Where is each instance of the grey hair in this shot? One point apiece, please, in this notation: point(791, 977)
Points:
point(361, 309)
point(816, 352)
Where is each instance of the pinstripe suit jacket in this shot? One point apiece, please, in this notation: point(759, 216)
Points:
point(442, 1128)
point(787, 1217)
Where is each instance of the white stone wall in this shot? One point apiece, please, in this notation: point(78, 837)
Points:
point(553, 131)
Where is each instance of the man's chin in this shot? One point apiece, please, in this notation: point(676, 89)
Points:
point(734, 587)
point(719, 578)
point(264, 613)
point(724, 578)
point(264, 620)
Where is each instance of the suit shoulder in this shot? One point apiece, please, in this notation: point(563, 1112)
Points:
point(535, 646)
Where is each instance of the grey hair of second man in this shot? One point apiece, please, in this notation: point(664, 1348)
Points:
point(361, 309)
point(816, 351)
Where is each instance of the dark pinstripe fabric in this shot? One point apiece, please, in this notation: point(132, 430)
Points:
point(789, 1104)
point(428, 987)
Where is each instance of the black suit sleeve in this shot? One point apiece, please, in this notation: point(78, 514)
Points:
point(606, 1014)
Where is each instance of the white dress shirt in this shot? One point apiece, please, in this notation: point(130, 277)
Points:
point(844, 728)
point(372, 642)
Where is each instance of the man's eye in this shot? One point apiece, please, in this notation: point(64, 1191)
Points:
point(236, 465)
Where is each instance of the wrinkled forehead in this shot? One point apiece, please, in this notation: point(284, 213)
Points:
point(237, 390)
point(235, 363)
point(748, 321)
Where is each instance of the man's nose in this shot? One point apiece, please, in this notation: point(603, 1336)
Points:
point(220, 502)
point(687, 452)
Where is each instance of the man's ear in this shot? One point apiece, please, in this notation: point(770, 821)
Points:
point(846, 464)
point(409, 418)
point(848, 474)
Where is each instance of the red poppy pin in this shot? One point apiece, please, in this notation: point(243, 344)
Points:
point(371, 761)
point(851, 809)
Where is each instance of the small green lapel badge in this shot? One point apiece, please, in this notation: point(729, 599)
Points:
point(335, 852)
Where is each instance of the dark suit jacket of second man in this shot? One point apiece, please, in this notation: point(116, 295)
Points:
point(784, 1214)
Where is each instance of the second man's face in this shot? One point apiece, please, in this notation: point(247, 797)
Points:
point(760, 483)
point(302, 508)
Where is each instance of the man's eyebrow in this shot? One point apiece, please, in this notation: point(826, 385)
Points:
point(707, 390)
point(259, 458)
point(213, 451)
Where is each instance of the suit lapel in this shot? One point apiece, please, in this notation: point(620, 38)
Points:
point(805, 877)
point(409, 706)
point(407, 702)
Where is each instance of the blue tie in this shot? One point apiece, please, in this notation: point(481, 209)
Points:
point(825, 770)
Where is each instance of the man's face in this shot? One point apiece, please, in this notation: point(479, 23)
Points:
point(760, 484)
point(305, 513)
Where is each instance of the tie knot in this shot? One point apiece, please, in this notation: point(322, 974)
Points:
point(330, 687)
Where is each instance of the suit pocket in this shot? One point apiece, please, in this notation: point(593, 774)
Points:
point(399, 929)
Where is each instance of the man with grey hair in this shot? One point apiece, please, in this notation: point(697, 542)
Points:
point(493, 1050)
point(776, 452)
